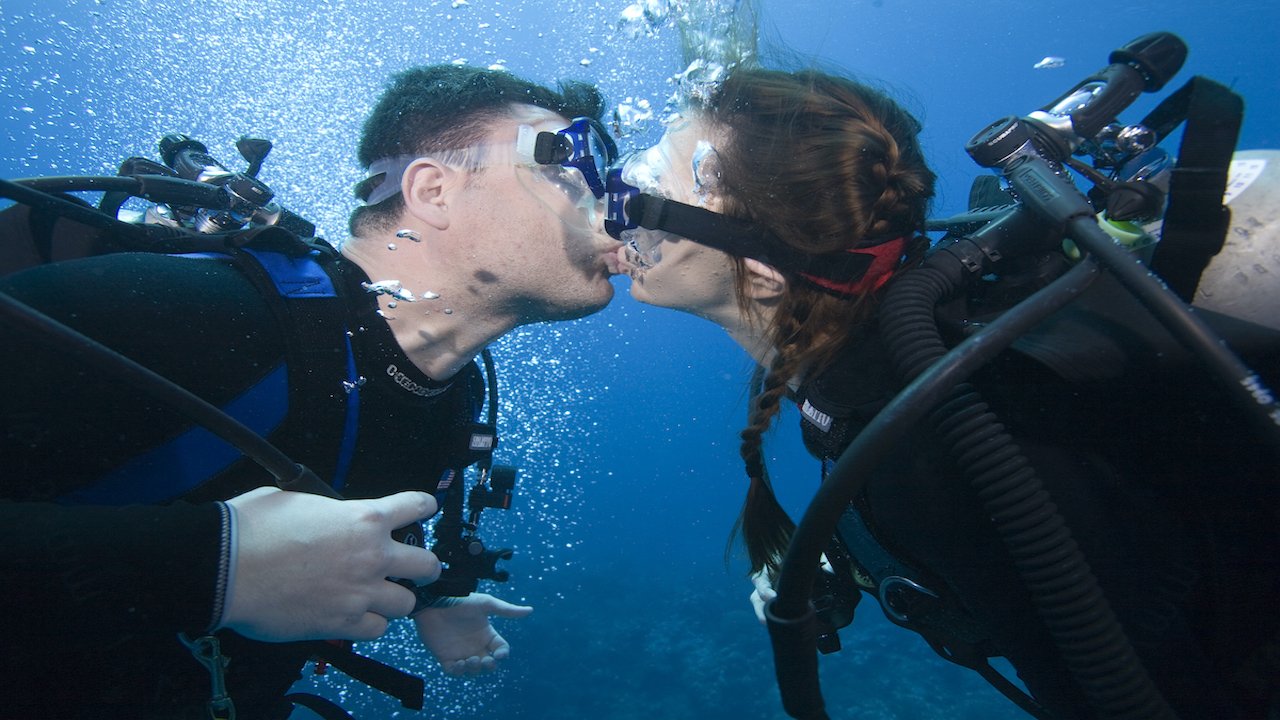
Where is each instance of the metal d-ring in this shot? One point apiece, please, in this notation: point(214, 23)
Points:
point(896, 582)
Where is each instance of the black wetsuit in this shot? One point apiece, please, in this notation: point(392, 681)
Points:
point(93, 596)
point(1170, 495)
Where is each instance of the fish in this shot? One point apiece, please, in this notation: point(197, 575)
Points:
point(1050, 62)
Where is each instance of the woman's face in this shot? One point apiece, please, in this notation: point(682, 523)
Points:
point(665, 269)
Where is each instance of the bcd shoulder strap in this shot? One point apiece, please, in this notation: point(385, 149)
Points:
point(311, 401)
point(324, 388)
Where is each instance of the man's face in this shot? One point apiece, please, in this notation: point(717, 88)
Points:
point(536, 231)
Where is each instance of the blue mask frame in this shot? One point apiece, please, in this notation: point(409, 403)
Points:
point(585, 146)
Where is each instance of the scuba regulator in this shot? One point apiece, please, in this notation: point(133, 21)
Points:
point(1006, 259)
point(241, 199)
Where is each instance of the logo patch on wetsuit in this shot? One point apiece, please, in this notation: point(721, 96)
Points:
point(407, 383)
point(815, 416)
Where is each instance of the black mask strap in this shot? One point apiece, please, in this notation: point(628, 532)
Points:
point(742, 238)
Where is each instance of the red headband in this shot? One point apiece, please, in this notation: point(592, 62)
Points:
point(886, 257)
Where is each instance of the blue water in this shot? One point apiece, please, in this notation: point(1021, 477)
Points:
point(624, 423)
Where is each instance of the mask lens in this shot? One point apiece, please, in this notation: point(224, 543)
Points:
point(706, 170)
point(588, 149)
point(646, 170)
point(643, 246)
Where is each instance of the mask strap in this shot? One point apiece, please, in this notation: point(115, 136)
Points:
point(851, 272)
point(384, 179)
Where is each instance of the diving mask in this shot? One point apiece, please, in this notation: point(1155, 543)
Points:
point(642, 214)
point(652, 173)
point(584, 146)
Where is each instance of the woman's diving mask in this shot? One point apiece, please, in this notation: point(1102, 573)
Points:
point(643, 211)
point(651, 172)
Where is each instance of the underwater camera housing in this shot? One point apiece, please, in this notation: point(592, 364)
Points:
point(1006, 259)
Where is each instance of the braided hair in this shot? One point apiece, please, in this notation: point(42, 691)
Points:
point(827, 164)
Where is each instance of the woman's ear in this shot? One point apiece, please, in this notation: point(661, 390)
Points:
point(764, 283)
point(425, 184)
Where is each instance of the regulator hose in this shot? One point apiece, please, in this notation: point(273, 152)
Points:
point(795, 654)
point(1063, 588)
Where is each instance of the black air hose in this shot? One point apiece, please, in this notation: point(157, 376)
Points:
point(1062, 586)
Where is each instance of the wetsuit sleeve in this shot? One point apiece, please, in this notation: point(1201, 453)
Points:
point(79, 571)
point(90, 571)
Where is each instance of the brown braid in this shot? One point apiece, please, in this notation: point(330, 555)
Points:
point(827, 164)
point(766, 529)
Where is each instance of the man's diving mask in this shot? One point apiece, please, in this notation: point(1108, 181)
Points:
point(584, 146)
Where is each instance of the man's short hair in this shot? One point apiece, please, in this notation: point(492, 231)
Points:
point(446, 107)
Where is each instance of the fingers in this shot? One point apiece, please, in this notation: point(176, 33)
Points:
point(413, 563)
point(330, 556)
point(761, 582)
point(498, 648)
point(763, 594)
point(404, 507)
point(371, 626)
point(473, 665)
point(757, 604)
point(502, 608)
point(391, 600)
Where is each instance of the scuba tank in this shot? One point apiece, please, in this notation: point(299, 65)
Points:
point(1243, 280)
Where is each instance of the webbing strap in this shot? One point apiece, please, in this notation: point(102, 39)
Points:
point(1196, 221)
point(324, 707)
point(408, 689)
point(295, 277)
point(324, 387)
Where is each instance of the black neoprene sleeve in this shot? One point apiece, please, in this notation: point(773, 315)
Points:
point(87, 570)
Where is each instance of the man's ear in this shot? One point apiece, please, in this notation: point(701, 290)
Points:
point(425, 184)
point(764, 282)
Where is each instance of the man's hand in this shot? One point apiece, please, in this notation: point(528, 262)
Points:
point(308, 567)
point(462, 638)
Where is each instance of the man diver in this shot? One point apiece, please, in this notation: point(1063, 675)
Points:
point(132, 539)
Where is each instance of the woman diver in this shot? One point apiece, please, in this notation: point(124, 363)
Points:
point(781, 206)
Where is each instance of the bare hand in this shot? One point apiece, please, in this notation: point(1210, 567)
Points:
point(309, 567)
point(462, 638)
point(762, 595)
